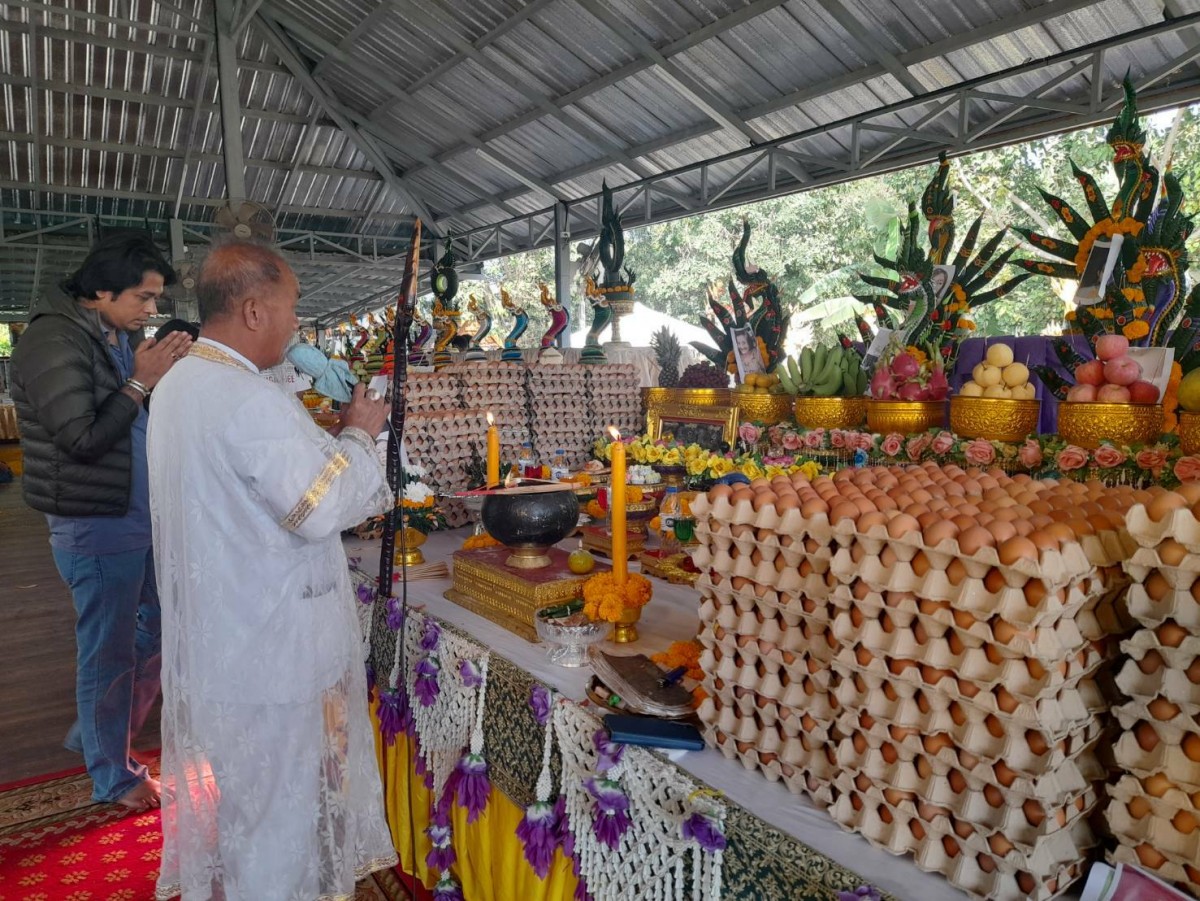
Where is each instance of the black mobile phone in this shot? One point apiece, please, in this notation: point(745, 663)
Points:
point(653, 733)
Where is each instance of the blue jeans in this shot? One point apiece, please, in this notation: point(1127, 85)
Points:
point(117, 633)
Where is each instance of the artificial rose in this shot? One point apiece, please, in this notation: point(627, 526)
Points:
point(814, 439)
point(1187, 469)
point(1108, 456)
point(837, 438)
point(1152, 459)
point(866, 441)
point(892, 444)
point(980, 452)
point(942, 443)
point(792, 441)
point(916, 446)
point(1071, 458)
point(1030, 454)
point(749, 433)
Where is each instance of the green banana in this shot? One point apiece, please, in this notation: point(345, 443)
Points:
point(786, 380)
point(806, 363)
point(794, 372)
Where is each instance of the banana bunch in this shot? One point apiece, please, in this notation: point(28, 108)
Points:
point(824, 372)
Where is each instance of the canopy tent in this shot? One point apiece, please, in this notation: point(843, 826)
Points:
point(496, 123)
point(642, 323)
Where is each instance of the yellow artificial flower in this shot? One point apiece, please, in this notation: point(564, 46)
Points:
point(696, 467)
point(672, 457)
point(751, 470)
point(811, 469)
point(653, 454)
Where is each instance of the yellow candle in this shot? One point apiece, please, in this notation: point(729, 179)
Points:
point(616, 502)
point(493, 452)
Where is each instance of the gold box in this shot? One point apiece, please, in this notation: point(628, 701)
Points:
point(597, 540)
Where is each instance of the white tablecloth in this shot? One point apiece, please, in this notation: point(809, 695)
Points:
point(672, 616)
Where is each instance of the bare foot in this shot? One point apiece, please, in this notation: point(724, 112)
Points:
point(144, 796)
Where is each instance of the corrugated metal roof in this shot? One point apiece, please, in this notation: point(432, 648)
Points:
point(487, 110)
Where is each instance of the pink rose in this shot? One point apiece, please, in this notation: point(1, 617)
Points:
point(1152, 459)
point(980, 452)
point(942, 443)
point(837, 438)
point(1108, 456)
point(916, 446)
point(1030, 454)
point(1187, 469)
point(866, 441)
point(1071, 458)
point(791, 441)
point(749, 433)
point(892, 444)
point(814, 438)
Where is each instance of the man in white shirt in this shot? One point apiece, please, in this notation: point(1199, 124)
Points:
point(269, 779)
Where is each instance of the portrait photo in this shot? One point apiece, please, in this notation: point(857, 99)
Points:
point(745, 352)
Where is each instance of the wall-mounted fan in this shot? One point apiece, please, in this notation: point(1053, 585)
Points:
point(248, 221)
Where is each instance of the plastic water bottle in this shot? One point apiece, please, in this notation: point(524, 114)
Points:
point(526, 461)
point(559, 470)
point(668, 512)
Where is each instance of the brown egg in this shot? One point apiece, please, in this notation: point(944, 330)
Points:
point(863, 656)
point(1036, 741)
point(1162, 709)
point(993, 796)
point(963, 829)
point(1005, 775)
point(1018, 548)
point(957, 781)
point(895, 797)
point(963, 619)
point(1162, 505)
point(999, 844)
point(956, 571)
point(920, 564)
point(1157, 785)
point(1193, 671)
point(1185, 822)
point(1138, 807)
point(924, 768)
point(993, 725)
point(901, 524)
point(1170, 634)
point(1026, 882)
point(1001, 531)
point(1035, 814)
point(1149, 856)
point(1005, 700)
point(1191, 746)
point(888, 752)
point(917, 830)
point(1147, 738)
point(934, 743)
point(994, 581)
point(1171, 552)
point(986, 863)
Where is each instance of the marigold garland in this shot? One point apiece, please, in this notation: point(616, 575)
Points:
point(604, 600)
point(483, 539)
point(682, 653)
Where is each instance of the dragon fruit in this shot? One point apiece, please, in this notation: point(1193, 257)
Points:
point(905, 366)
point(910, 374)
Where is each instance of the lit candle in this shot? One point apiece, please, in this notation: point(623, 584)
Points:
point(616, 503)
point(493, 452)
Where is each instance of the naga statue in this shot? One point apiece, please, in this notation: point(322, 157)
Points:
point(560, 318)
point(615, 288)
point(444, 281)
point(602, 315)
point(483, 320)
point(512, 353)
point(418, 354)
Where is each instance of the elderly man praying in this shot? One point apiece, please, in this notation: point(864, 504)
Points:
point(270, 788)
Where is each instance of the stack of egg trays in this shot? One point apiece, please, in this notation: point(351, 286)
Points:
point(430, 392)
point(768, 644)
point(1154, 809)
point(974, 754)
point(440, 443)
point(615, 398)
point(500, 390)
point(559, 416)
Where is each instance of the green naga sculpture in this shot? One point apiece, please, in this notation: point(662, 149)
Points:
point(612, 297)
point(444, 281)
point(766, 322)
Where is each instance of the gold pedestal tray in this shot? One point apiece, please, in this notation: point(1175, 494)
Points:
point(669, 567)
point(597, 540)
point(484, 584)
point(1189, 432)
point(905, 417)
point(994, 418)
point(762, 406)
point(1090, 424)
point(830, 412)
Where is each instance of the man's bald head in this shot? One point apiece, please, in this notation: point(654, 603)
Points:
point(234, 271)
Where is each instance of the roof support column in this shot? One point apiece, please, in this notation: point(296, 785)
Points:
point(562, 263)
point(231, 113)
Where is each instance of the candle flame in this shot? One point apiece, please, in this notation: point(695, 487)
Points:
point(613, 433)
point(491, 419)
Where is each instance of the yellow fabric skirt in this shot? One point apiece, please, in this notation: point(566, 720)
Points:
point(491, 865)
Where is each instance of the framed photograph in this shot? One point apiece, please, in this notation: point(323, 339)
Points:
point(941, 279)
point(1098, 270)
point(745, 351)
point(708, 427)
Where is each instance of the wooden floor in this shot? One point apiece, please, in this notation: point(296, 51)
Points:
point(37, 649)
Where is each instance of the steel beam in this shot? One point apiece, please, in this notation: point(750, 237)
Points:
point(199, 29)
point(231, 114)
point(862, 32)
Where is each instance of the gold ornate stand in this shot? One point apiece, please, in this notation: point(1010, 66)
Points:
point(597, 540)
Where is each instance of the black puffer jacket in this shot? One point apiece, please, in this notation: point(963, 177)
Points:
point(75, 422)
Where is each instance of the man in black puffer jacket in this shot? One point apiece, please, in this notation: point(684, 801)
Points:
point(80, 380)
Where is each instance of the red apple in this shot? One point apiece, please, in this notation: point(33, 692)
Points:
point(1143, 392)
point(1122, 370)
point(1109, 347)
point(1084, 394)
point(1113, 394)
point(1090, 373)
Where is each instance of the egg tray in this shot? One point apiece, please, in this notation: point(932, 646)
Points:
point(753, 596)
point(771, 624)
point(1003, 883)
point(971, 664)
point(1167, 759)
point(1058, 714)
point(1180, 525)
point(942, 783)
point(1167, 682)
point(721, 544)
point(821, 714)
point(796, 655)
point(1042, 852)
point(1143, 641)
point(802, 693)
point(970, 738)
point(1178, 606)
point(750, 668)
point(1174, 801)
point(1172, 731)
point(1047, 643)
point(808, 772)
point(769, 719)
point(1169, 871)
point(765, 573)
point(970, 594)
point(1186, 568)
point(1160, 834)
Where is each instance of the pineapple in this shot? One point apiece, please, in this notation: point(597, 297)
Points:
point(667, 352)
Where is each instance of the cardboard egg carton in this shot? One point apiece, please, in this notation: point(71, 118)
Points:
point(1047, 643)
point(1056, 714)
point(790, 650)
point(770, 716)
point(804, 771)
point(820, 713)
point(1144, 559)
point(1180, 525)
point(1024, 826)
point(1167, 681)
point(980, 875)
point(1173, 802)
point(1167, 759)
point(1179, 606)
point(972, 748)
point(804, 692)
point(806, 603)
point(1159, 832)
point(1172, 870)
point(940, 783)
point(1173, 731)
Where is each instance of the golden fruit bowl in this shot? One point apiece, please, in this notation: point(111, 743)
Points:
point(830, 412)
point(994, 418)
point(1189, 432)
point(760, 406)
point(905, 416)
point(1089, 424)
point(653, 398)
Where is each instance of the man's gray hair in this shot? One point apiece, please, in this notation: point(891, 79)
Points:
point(231, 272)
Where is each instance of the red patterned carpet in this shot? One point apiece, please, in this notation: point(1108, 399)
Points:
point(56, 845)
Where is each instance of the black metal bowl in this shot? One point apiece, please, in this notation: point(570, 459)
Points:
point(528, 519)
